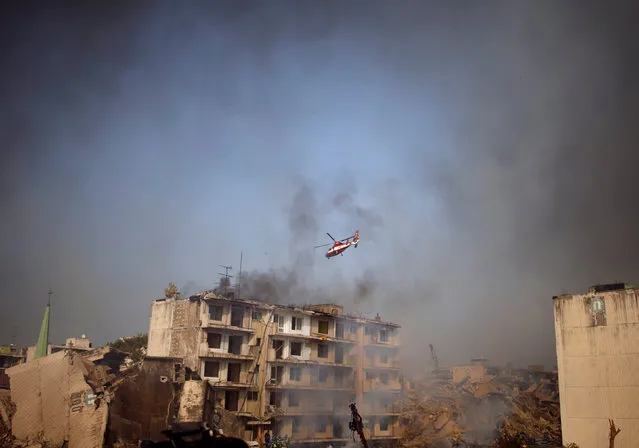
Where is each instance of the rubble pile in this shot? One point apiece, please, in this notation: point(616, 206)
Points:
point(7, 409)
point(437, 411)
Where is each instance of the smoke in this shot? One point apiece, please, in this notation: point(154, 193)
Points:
point(365, 287)
point(275, 287)
point(304, 227)
point(486, 154)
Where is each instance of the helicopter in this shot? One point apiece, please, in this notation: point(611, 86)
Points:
point(339, 246)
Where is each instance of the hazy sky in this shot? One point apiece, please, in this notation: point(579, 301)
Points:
point(487, 151)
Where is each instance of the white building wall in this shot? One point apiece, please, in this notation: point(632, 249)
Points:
point(287, 327)
point(598, 364)
point(161, 321)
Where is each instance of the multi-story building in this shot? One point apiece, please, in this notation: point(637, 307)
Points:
point(597, 336)
point(290, 370)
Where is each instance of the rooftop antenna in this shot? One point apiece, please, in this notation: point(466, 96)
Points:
point(226, 278)
point(49, 294)
point(239, 281)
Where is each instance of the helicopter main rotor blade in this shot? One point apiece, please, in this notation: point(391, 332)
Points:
point(323, 245)
point(329, 235)
point(346, 239)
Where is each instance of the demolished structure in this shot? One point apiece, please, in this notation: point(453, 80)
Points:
point(289, 370)
point(60, 398)
point(477, 407)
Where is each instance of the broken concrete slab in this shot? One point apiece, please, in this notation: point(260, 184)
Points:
point(54, 403)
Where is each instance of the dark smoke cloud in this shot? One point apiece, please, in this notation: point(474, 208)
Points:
point(365, 287)
point(486, 153)
point(345, 203)
point(304, 227)
point(274, 287)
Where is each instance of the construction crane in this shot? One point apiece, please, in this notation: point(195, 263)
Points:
point(433, 355)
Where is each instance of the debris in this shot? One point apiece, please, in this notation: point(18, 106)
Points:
point(55, 401)
point(499, 407)
point(62, 397)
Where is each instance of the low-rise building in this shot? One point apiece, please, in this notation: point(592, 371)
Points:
point(291, 370)
point(80, 344)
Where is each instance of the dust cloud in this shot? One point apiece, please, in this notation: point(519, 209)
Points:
point(487, 155)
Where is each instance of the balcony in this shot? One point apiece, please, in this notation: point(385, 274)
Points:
point(320, 337)
point(212, 353)
point(376, 340)
point(329, 384)
point(294, 411)
point(225, 346)
point(209, 323)
point(376, 385)
point(230, 376)
point(312, 360)
point(375, 362)
point(311, 436)
point(378, 409)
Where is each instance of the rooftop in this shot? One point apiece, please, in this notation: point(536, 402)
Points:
point(210, 295)
point(602, 288)
point(11, 350)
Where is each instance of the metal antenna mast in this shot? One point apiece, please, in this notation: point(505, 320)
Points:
point(239, 281)
point(50, 293)
point(226, 277)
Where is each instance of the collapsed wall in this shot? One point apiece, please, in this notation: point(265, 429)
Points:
point(55, 403)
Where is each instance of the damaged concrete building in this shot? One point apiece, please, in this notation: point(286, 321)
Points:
point(597, 336)
point(289, 370)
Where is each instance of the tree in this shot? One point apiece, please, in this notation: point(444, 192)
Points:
point(171, 291)
point(135, 346)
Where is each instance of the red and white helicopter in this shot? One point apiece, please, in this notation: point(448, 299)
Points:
point(338, 247)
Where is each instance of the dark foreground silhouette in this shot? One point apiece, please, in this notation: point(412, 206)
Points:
point(194, 436)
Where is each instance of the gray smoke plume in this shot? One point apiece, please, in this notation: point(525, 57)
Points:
point(304, 227)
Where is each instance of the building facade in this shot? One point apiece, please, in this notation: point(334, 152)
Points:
point(597, 338)
point(291, 371)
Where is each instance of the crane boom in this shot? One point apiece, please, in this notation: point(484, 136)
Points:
point(433, 355)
